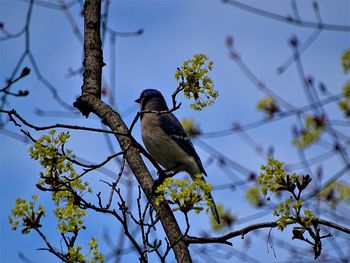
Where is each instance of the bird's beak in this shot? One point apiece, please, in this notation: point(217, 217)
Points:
point(138, 100)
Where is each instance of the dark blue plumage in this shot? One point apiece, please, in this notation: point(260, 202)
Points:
point(166, 140)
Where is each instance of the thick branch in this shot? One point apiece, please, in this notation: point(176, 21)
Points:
point(93, 58)
point(90, 102)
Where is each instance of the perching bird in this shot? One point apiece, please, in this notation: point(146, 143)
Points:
point(166, 140)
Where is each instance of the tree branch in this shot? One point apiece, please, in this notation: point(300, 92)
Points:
point(90, 102)
point(287, 19)
point(223, 239)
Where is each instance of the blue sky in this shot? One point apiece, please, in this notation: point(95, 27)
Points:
point(174, 31)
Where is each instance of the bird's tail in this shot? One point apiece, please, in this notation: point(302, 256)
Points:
point(213, 209)
point(210, 200)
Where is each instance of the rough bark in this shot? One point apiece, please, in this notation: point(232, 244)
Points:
point(93, 59)
point(90, 101)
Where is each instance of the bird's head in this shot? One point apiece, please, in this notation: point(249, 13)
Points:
point(152, 99)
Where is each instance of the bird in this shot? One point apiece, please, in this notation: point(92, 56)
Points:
point(166, 140)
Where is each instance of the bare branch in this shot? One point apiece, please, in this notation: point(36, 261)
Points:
point(242, 232)
point(287, 19)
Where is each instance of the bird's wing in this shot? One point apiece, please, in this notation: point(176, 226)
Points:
point(177, 133)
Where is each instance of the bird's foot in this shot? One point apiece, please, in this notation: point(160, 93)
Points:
point(161, 178)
